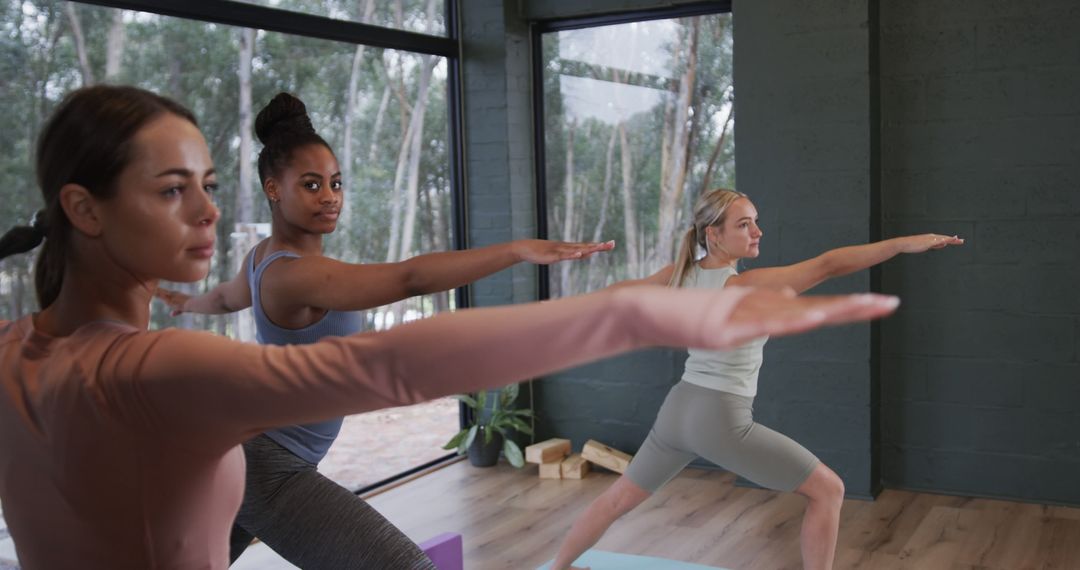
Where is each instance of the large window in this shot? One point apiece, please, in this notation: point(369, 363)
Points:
point(637, 122)
point(384, 111)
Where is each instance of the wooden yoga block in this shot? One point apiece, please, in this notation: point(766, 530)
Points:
point(574, 467)
point(550, 451)
point(605, 456)
point(551, 470)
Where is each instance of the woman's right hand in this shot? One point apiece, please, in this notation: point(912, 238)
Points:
point(925, 242)
point(723, 319)
point(176, 300)
point(776, 313)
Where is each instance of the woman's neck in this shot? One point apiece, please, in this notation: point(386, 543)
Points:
point(291, 238)
point(99, 295)
point(716, 261)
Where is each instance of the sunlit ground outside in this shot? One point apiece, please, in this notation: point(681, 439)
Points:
point(377, 445)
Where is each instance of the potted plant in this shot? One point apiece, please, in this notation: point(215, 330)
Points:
point(487, 428)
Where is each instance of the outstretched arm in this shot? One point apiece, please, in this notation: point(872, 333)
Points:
point(316, 281)
point(228, 297)
point(214, 392)
point(659, 278)
point(842, 261)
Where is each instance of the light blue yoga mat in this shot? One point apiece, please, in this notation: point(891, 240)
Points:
point(600, 560)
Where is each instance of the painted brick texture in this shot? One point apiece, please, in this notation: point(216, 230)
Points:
point(981, 117)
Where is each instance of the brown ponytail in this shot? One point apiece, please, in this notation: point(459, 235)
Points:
point(86, 141)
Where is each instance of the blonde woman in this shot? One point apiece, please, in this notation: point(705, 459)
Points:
point(709, 412)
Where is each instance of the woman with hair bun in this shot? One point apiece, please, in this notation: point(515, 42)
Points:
point(298, 296)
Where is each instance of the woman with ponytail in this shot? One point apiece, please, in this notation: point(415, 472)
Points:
point(709, 412)
point(126, 442)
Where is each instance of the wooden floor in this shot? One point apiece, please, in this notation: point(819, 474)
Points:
point(511, 519)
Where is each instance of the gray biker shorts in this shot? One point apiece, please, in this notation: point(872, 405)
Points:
point(719, 426)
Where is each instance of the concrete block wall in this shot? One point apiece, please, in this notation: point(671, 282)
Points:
point(981, 137)
point(804, 150)
point(498, 141)
point(613, 401)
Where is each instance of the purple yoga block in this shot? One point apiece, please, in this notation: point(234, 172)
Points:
point(445, 550)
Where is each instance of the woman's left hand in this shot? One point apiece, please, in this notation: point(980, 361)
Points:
point(542, 252)
point(176, 300)
point(924, 242)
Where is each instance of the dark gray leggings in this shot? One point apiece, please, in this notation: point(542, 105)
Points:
point(311, 521)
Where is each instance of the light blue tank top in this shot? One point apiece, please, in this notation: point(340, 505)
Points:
point(309, 442)
point(735, 370)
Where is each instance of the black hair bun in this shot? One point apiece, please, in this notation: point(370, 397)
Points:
point(284, 114)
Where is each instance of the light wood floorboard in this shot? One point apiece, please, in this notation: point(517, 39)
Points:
point(511, 519)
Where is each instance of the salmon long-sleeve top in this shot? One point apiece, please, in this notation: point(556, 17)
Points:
point(119, 446)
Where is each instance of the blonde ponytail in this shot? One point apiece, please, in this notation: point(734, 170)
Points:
point(686, 257)
point(709, 211)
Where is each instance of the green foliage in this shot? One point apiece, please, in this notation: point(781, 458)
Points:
point(501, 418)
point(196, 63)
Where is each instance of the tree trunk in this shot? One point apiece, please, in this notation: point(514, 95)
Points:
point(114, 46)
point(347, 157)
point(396, 196)
point(80, 44)
point(706, 184)
point(377, 128)
point(570, 209)
point(629, 210)
point(243, 320)
point(677, 159)
point(416, 125)
point(186, 320)
point(598, 231)
point(245, 181)
point(55, 27)
point(436, 238)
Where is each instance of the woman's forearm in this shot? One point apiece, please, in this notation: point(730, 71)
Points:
point(845, 260)
point(442, 271)
point(213, 302)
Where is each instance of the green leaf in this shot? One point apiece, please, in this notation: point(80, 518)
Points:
point(513, 453)
point(467, 400)
point(468, 440)
point(488, 435)
point(509, 394)
point(481, 399)
point(521, 426)
point(456, 440)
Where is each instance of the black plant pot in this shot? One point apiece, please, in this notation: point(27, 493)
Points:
point(485, 455)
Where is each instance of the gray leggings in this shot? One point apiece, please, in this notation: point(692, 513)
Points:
point(311, 521)
point(701, 422)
